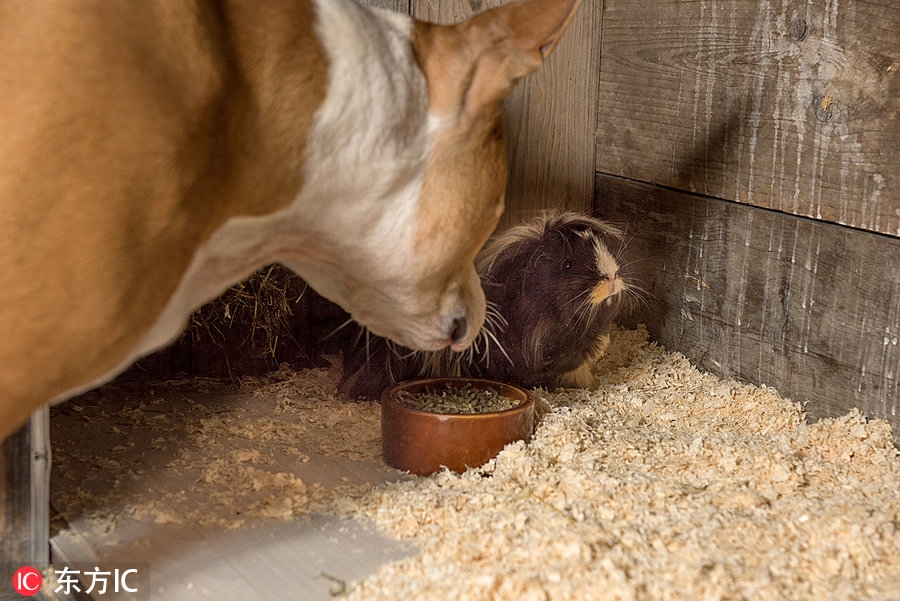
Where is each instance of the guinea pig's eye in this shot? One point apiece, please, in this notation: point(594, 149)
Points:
point(567, 264)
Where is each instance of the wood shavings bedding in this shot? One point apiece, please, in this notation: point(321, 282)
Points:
point(663, 483)
point(178, 454)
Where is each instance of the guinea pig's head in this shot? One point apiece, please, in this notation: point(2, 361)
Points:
point(563, 265)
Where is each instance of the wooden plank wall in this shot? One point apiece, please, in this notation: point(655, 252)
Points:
point(785, 104)
point(735, 139)
point(808, 307)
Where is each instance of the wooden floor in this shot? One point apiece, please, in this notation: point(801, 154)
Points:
point(310, 559)
point(659, 471)
point(212, 493)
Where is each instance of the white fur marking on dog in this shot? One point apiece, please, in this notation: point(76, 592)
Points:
point(363, 174)
point(372, 142)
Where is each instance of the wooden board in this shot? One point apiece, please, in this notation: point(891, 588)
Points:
point(138, 482)
point(810, 308)
point(401, 6)
point(549, 117)
point(781, 104)
point(304, 560)
point(15, 506)
point(24, 500)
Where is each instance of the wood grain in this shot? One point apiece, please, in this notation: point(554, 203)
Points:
point(400, 6)
point(810, 308)
point(15, 506)
point(782, 104)
point(550, 116)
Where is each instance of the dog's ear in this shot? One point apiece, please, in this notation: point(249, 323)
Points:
point(472, 66)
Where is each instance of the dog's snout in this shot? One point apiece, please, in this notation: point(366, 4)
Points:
point(465, 312)
point(458, 329)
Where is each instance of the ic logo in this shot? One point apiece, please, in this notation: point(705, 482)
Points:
point(27, 581)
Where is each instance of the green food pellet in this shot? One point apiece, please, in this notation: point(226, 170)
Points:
point(456, 401)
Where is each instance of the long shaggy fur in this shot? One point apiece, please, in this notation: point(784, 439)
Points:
point(553, 287)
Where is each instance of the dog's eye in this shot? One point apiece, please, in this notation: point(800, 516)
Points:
point(567, 264)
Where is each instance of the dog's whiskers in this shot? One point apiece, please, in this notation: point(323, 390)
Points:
point(341, 327)
point(365, 332)
point(499, 347)
point(401, 352)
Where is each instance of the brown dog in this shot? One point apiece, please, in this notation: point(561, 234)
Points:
point(154, 152)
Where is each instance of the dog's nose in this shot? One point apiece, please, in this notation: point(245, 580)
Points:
point(458, 330)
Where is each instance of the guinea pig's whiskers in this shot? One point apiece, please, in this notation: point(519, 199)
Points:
point(587, 306)
point(637, 285)
point(642, 296)
point(579, 297)
point(625, 266)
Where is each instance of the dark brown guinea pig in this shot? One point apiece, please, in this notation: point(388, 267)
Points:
point(553, 287)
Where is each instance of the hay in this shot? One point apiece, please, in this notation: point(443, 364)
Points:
point(257, 310)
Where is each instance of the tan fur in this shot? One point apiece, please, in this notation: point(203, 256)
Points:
point(91, 99)
point(133, 130)
point(479, 61)
point(581, 376)
point(600, 293)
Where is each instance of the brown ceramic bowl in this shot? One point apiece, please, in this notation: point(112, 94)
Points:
point(422, 442)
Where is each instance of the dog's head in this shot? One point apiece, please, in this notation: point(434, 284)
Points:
point(410, 276)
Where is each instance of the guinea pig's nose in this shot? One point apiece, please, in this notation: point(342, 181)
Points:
point(458, 329)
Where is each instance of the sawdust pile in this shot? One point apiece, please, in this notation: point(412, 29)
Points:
point(663, 483)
